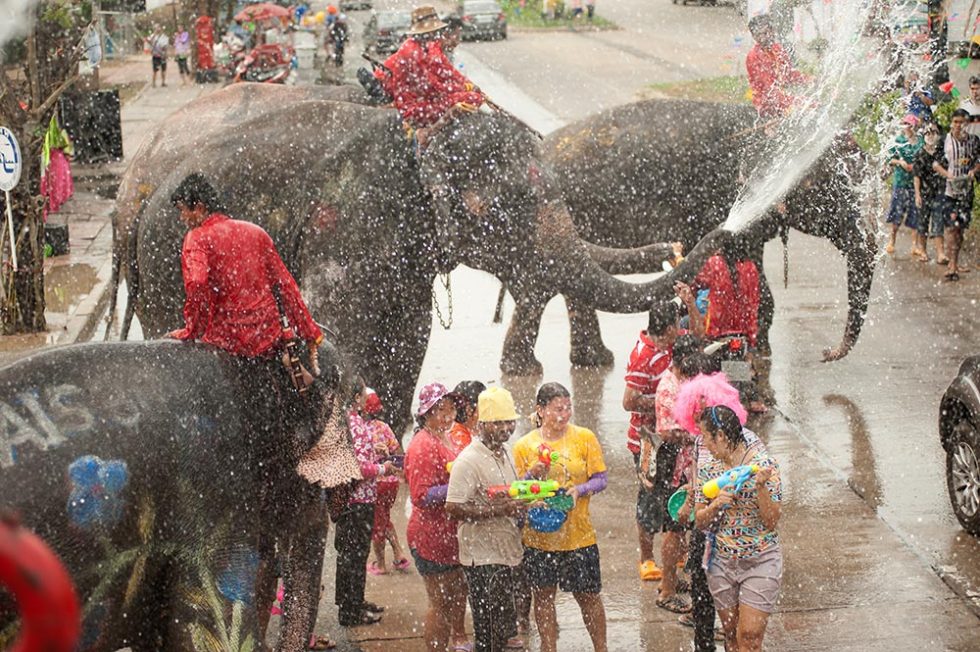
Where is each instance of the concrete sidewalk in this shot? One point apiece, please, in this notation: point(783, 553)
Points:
point(76, 283)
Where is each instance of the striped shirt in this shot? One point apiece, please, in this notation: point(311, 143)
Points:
point(961, 157)
point(647, 365)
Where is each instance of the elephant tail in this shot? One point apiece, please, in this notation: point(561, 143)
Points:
point(784, 236)
point(132, 278)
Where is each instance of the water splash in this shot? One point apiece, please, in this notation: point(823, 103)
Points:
point(851, 67)
point(14, 20)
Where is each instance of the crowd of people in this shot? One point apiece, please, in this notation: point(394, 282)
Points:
point(933, 177)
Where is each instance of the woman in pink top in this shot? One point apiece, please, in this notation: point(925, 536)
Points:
point(431, 531)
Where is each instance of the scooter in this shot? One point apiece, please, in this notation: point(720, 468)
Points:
point(267, 64)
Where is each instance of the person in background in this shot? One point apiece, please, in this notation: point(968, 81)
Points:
point(452, 36)
point(490, 548)
point(432, 536)
point(389, 450)
point(971, 105)
point(918, 99)
point(961, 153)
point(182, 52)
point(159, 43)
point(771, 72)
point(671, 471)
point(354, 524)
point(465, 396)
point(745, 562)
point(569, 557)
point(929, 188)
point(902, 208)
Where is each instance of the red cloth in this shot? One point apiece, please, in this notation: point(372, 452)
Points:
point(646, 367)
point(230, 270)
point(387, 493)
point(733, 307)
point(431, 531)
point(424, 83)
point(57, 184)
point(770, 72)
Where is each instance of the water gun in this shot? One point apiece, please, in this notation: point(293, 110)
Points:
point(547, 456)
point(526, 489)
point(731, 480)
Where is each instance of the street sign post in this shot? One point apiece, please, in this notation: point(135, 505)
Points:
point(10, 167)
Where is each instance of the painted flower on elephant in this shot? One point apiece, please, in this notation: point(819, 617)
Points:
point(96, 491)
point(236, 581)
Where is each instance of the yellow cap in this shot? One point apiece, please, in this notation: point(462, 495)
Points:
point(496, 404)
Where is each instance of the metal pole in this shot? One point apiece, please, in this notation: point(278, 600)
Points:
point(10, 226)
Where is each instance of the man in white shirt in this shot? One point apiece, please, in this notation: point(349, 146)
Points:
point(489, 536)
point(972, 105)
point(159, 43)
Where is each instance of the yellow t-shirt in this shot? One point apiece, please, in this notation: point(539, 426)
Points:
point(580, 457)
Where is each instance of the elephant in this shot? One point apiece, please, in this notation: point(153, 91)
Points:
point(669, 170)
point(363, 222)
point(148, 467)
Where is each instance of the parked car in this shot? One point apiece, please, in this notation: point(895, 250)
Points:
point(483, 19)
point(959, 432)
point(352, 5)
point(386, 30)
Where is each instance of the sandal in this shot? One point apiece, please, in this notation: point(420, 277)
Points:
point(951, 276)
point(462, 647)
point(515, 643)
point(402, 564)
point(942, 261)
point(374, 569)
point(686, 619)
point(321, 643)
point(683, 586)
point(674, 604)
point(370, 606)
point(649, 571)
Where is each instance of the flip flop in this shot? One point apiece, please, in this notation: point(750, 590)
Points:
point(515, 643)
point(402, 564)
point(686, 619)
point(942, 261)
point(951, 276)
point(321, 643)
point(674, 604)
point(462, 647)
point(370, 606)
point(374, 569)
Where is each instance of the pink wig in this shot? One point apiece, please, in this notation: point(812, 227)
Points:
point(705, 391)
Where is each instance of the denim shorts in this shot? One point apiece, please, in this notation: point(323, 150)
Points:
point(426, 567)
point(573, 571)
point(753, 581)
point(902, 208)
point(932, 217)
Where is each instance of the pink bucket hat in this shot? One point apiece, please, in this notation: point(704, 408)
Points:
point(911, 119)
point(430, 395)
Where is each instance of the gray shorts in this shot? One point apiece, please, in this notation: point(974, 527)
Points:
point(753, 581)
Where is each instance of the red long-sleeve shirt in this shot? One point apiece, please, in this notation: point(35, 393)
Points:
point(770, 72)
point(424, 83)
point(230, 271)
point(733, 303)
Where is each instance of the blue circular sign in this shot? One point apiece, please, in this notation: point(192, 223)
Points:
point(10, 160)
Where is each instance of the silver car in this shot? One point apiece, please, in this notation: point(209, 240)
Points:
point(959, 432)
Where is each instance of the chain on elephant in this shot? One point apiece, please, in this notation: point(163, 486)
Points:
point(446, 280)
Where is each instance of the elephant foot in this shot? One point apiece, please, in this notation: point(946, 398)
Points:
point(592, 356)
point(521, 365)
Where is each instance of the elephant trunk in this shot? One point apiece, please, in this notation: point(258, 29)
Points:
point(859, 250)
point(582, 278)
point(640, 260)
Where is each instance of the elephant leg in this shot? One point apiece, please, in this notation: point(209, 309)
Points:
point(302, 571)
point(518, 354)
point(588, 349)
point(767, 309)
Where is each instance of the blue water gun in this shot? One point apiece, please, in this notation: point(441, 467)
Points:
point(731, 480)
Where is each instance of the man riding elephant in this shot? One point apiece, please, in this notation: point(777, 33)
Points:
point(425, 86)
point(238, 291)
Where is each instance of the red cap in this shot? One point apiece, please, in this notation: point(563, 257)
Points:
point(372, 403)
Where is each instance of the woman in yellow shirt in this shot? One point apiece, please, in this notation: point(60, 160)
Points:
point(569, 558)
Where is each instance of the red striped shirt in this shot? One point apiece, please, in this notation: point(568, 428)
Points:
point(646, 367)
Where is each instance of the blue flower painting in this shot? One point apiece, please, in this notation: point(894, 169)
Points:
point(96, 491)
point(236, 581)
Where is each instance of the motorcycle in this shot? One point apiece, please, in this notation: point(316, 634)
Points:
point(267, 64)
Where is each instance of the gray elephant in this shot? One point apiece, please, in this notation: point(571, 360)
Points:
point(152, 468)
point(362, 223)
point(669, 170)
